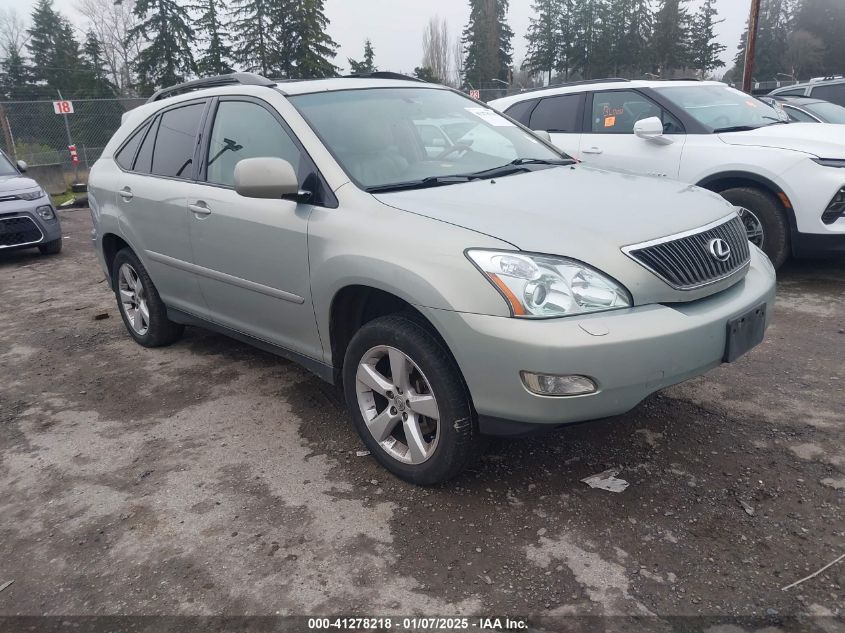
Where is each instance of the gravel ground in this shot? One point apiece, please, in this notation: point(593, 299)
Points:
point(210, 477)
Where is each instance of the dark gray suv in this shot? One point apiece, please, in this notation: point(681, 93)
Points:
point(27, 216)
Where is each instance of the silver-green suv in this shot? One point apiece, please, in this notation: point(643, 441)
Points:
point(454, 273)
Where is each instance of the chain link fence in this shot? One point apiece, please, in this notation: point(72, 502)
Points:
point(31, 131)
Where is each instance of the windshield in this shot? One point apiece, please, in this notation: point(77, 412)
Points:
point(6, 167)
point(721, 108)
point(830, 112)
point(387, 136)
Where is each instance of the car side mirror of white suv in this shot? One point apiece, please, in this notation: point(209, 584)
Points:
point(543, 135)
point(651, 129)
point(271, 178)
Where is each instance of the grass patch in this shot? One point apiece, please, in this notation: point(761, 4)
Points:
point(62, 197)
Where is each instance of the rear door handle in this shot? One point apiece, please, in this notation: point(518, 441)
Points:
point(593, 150)
point(126, 194)
point(199, 208)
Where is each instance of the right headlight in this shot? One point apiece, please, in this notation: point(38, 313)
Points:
point(543, 286)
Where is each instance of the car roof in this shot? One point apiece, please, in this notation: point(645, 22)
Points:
point(819, 81)
point(795, 100)
point(594, 85)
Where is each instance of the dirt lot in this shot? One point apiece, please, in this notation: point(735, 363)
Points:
point(213, 478)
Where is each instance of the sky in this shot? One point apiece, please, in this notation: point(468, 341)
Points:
point(396, 26)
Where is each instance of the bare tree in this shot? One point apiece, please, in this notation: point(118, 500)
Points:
point(112, 22)
point(805, 54)
point(437, 50)
point(13, 34)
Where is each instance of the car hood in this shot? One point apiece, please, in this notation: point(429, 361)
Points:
point(13, 182)
point(823, 141)
point(579, 212)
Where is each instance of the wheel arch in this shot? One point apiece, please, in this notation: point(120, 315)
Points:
point(112, 244)
point(723, 181)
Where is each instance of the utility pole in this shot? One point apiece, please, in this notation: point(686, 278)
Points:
point(751, 45)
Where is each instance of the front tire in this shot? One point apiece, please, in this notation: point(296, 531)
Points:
point(408, 401)
point(144, 313)
point(765, 221)
point(53, 247)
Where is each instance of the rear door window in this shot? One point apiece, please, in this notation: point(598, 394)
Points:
point(176, 141)
point(557, 114)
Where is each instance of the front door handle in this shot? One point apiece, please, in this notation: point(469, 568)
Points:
point(199, 208)
point(126, 194)
point(593, 150)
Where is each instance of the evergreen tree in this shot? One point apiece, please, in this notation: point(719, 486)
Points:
point(487, 43)
point(166, 27)
point(772, 41)
point(544, 38)
point(671, 36)
point(308, 49)
point(637, 57)
point(46, 25)
point(585, 31)
point(217, 52)
point(15, 78)
point(426, 74)
point(825, 19)
point(251, 28)
point(94, 66)
point(368, 64)
point(567, 29)
point(704, 49)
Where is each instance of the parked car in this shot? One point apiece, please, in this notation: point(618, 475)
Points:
point(807, 109)
point(28, 218)
point(828, 88)
point(452, 296)
point(787, 179)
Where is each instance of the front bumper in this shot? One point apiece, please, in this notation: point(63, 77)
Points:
point(22, 227)
point(645, 349)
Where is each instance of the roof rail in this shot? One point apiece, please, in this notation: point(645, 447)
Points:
point(383, 74)
point(243, 79)
point(583, 82)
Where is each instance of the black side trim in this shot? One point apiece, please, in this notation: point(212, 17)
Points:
point(813, 245)
point(319, 368)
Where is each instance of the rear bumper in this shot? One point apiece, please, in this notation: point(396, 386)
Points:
point(645, 349)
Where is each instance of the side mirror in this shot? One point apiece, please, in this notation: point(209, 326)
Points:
point(271, 178)
point(543, 135)
point(22, 166)
point(651, 129)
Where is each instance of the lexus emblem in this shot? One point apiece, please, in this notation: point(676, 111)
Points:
point(719, 249)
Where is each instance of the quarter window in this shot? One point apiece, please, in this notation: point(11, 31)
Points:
point(144, 161)
point(126, 155)
point(835, 93)
point(245, 130)
point(176, 141)
point(557, 114)
point(617, 111)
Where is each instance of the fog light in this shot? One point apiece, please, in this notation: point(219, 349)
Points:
point(46, 212)
point(836, 208)
point(549, 385)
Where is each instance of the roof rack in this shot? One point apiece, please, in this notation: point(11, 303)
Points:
point(583, 82)
point(243, 79)
point(383, 74)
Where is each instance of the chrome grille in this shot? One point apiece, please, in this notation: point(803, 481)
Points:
point(18, 230)
point(687, 261)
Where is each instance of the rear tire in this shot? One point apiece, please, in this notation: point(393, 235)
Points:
point(769, 214)
point(144, 313)
point(51, 248)
point(414, 375)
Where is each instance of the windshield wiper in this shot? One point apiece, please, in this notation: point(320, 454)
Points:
point(424, 183)
point(520, 164)
point(735, 128)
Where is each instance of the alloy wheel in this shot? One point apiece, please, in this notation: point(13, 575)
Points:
point(398, 404)
point(753, 227)
point(133, 299)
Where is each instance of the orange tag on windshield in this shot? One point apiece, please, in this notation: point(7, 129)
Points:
point(609, 121)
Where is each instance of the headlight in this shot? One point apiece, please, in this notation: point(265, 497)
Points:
point(46, 212)
point(32, 195)
point(830, 162)
point(540, 286)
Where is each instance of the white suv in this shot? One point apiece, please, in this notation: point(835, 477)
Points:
point(787, 179)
